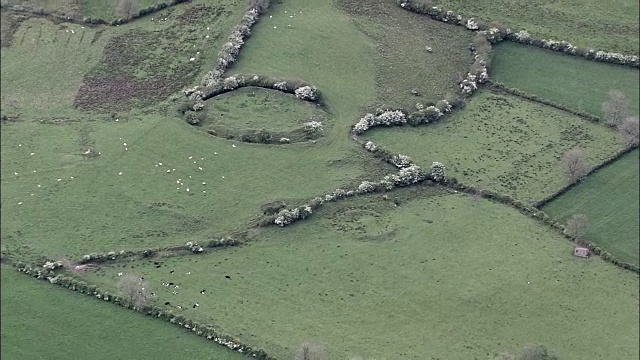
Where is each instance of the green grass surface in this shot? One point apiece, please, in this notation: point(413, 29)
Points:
point(42, 321)
point(48, 69)
point(411, 282)
point(59, 6)
point(402, 61)
point(604, 25)
point(99, 210)
point(43, 68)
point(106, 10)
point(575, 82)
point(256, 108)
point(322, 47)
point(502, 143)
point(609, 199)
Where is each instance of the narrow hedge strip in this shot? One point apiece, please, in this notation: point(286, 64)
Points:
point(504, 89)
point(41, 12)
point(190, 247)
point(501, 33)
point(539, 216)
point(288, 86)
point(620, 153)
point(208, 331)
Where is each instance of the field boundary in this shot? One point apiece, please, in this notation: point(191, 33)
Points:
point(540, 216)
point(89, 21)
point(501, 88)
point(501, 33)
point(593, 170)
point(208, 331)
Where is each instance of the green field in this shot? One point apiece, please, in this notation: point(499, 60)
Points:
point(97, 158)
point(43, 68)
point(100, 210)
point(603, 25)
point(43, 321)
point(609, 199)
point(257, 108)
point(56, 69)
point(97, 9)
point(577, 83)
point(107, 9)
point(502, 143)
point(402, 62)
point(400, 282)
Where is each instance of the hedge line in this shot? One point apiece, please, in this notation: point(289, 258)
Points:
point(499, 33)
point(94, 21)
point(208, 331)
point(264, 136)
point(504, 89)
point(408, 174)
point(539, 216)
point(99, 258)
point(289, 86)
point(620, 153)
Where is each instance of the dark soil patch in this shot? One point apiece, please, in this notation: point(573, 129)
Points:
point(9, 24)
point(140, 68)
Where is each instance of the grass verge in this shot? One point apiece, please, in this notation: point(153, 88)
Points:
point(609, 199)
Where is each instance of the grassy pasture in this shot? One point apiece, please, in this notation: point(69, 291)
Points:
point(400, 282)
point(97, 9)
point(99, 210)
point(323, 47)
point(257, 108)
point(42, 70)
point(603, 25)
point(402, 61)
point(59, 6)
point(609, 198)
point(148, 60)
point(575, 82)
point(107, 9)
point(53, 68)
point(502, 143)
point(41, 321)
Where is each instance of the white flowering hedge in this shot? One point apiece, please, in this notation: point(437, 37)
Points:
point(300, 89)
point(384, 118)
point(122, 254)
point(308, 93)
point(230, 50)
point(408, 174)
point(438, 172)
point(495, 34)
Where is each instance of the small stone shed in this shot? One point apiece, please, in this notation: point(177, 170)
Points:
point(581, 252)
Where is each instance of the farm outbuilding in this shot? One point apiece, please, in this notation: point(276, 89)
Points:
point(581, 252)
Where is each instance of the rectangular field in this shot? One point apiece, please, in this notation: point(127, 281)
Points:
point(602, 25)
point(43, 321)
point(502, 143)
point(569, 80)
point(609, 199)
point(406, 72)
point(400, 281)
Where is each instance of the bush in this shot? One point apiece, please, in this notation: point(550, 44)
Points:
point(260, 5)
